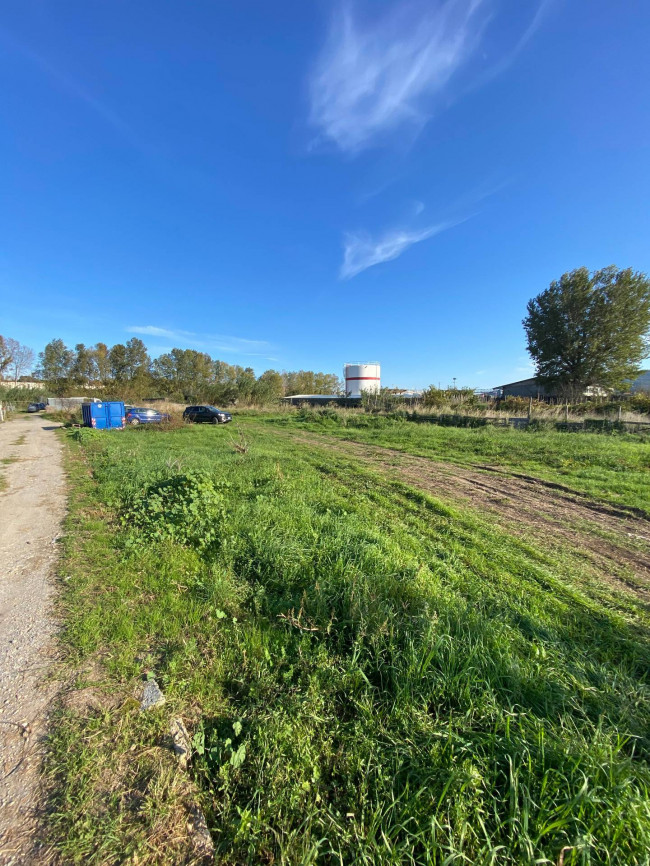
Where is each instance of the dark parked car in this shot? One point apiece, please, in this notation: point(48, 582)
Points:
point(136, 416)
point(206, 415)
point(36, 407)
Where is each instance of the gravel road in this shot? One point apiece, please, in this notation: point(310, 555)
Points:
point(32, 506)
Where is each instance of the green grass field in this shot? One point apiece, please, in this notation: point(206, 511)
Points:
point(370, 675)
point(612, 467)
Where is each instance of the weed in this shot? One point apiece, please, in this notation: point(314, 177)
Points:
point(186, 508)
point(241, 444)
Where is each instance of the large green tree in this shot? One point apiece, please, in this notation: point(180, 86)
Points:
point(268, 388)
point(185, 372)
point(84, 368)
point(138, 362)
point(309, 382)
point(589, 329)
point(55, 364)
point(119, 364)
point(102, 361)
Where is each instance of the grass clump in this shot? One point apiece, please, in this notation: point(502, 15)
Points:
point(369, 676)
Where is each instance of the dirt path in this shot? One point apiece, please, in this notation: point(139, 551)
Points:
point(615, 539)
point(32, 505)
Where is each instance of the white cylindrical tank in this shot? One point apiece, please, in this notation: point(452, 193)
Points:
point(360, 378)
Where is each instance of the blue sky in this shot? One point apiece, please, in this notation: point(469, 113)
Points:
point(296, 184)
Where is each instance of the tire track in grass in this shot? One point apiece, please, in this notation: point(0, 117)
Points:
point(614, 538)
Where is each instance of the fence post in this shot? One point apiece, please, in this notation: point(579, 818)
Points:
point(566, 411)
point(619, 411)
point(530, 408)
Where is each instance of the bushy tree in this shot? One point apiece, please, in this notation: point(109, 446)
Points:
point(589, 329)
point(84, 366)
point(138, 362)
point(269, 388)
point(119, 365)
point(102, 361)
point(185, 372)
point(309, 382)
point(55, 364)
point(245, 383)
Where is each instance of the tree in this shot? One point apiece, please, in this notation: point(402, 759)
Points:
point(102, 362)
point(185, 372)
point(223, 391)
point(308, 382)
point(245, 383)
point(22, 358)
point(5, 356)
point(56, 362)
point(138, 362)
point(268, 388)
point(589, 329)
point(84, 367)
point(117, 358)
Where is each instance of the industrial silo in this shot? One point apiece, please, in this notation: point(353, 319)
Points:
point(360, 378)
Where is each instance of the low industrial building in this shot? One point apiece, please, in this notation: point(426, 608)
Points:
point(527, 388)
point(532, 388)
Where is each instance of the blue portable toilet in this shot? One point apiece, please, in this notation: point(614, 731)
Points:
point(104, 416)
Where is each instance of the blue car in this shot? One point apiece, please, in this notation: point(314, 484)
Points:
point(135, 416)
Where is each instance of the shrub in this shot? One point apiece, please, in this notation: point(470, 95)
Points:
point(521, 404)
point(85, 435)
point(186, 508)
point(639, 403)
point(440, 398)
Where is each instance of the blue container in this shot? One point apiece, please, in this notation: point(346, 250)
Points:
point(104, 416)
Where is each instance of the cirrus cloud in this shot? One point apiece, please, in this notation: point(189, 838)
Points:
point(361, 251)
point(372, 78)
point(397, 68)
point(206, 342)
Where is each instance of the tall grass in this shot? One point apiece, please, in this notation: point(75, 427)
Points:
point(370, 676)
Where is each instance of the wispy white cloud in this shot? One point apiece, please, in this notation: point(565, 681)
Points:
point(398, 67)
point(361, 251)
point(154, 331)
point(372, 77)
point(206, 342)
point(509, 57)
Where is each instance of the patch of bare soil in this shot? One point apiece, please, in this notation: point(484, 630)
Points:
point(32, 506)
point(616, 539)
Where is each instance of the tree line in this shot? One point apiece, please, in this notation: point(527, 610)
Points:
point(586, 329)
point(126, 370)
